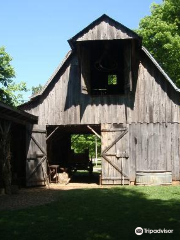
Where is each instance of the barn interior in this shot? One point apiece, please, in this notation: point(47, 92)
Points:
point(15, 151)
point(13, 124)
point(78, 165)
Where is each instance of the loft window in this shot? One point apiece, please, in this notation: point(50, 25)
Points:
point(105, 67)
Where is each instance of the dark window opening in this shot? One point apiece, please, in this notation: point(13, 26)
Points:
point(106, 65)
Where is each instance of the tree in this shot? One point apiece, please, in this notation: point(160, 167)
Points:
point(85, 141)
point(10, 92)
point(36, 89)
point(161, 36)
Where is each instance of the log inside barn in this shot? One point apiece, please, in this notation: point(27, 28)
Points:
point(109, 79)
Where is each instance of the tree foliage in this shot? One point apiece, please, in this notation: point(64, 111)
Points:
point(161, 36)
point(36, 89)
point(85, 141)
point(112, 79)
point(10, 92)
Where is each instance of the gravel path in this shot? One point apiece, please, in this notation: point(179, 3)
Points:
point(28, 197)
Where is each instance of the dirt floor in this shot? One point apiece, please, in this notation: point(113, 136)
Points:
point(28, 197)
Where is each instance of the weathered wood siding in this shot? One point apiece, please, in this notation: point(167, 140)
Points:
point(106, 30)
point(36, 163)
point(115, 154)
point(154, 146)
point(152, 100)
point(147, 146)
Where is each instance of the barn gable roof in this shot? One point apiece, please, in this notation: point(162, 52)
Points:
point(104, 28)
point(127, 34)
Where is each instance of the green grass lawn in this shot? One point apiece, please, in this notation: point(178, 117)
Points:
point(96, 214)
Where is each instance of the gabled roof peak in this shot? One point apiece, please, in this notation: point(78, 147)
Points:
point(104, 28)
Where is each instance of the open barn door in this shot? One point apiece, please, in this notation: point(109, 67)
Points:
point(115, 154)
point(36, 162)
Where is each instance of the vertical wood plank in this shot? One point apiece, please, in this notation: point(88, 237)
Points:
point(162, 102)
point(168, 105)
point(144, 162)
point(163, 146)
point(103, 147)
point(132, 153)
point(175, 152)
point(150, 145)
point(139, 162)
point(147, 94)
point(168, 147)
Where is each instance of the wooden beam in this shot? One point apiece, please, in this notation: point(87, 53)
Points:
point(115, 141)
point(39, 146)
point(5, 128)
point(94, 131)
point(115, 166)
point(12, 119)
point(52, 133)
point(35, 169)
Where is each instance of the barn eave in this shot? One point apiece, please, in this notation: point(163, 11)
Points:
point(16, 115)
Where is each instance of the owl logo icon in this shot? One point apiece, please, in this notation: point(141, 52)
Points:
point(138, 231)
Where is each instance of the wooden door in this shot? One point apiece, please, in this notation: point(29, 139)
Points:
point(36, 162)
point(115, 154)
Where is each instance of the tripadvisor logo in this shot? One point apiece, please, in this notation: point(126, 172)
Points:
point(139, 231)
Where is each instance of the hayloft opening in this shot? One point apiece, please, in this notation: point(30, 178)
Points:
point(76, 151)
point(105, 66)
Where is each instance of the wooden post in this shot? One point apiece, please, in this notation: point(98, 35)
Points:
point(5, 155)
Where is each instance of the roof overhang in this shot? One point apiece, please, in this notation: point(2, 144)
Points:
point(15, 115)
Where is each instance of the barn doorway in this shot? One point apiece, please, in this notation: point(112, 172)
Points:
point(76, 150)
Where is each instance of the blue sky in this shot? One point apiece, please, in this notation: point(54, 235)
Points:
point(35, 32)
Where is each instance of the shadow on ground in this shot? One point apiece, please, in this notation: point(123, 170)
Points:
point(95, 214)
point(85, 177)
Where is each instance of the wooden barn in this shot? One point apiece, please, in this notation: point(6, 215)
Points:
point(109, 84)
